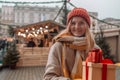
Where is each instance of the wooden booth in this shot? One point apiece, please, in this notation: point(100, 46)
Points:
point(37, 54)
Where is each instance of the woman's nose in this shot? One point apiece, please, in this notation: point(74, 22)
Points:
point(77, 26)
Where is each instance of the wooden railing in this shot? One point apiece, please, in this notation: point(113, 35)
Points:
point(35, 56)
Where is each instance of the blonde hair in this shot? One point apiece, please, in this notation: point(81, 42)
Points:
point(89, 36)
point(90, 39)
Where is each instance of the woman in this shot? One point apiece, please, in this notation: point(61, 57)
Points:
point(70, 48)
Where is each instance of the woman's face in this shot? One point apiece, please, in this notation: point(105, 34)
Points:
point(78, 26)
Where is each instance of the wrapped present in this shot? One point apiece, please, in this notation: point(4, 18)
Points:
point(97, 68)
point(99, 71)
point(117, 71)
point(95, 56)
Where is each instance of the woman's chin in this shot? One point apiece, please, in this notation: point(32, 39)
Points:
point(77, 35)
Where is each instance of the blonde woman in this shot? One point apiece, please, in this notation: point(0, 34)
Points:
point(70, 48)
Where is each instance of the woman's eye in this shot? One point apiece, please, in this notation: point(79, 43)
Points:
point(81, 23)
point(72, 23)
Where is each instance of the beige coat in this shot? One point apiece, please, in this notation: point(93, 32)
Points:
point(53, 68)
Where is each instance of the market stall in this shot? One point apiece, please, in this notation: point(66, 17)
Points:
point(34, 40)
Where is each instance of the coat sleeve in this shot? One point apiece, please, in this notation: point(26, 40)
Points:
point(53, 69)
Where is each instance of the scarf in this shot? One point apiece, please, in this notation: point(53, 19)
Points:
point(79, 45)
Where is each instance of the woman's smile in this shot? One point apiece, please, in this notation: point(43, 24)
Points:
point(78, 26)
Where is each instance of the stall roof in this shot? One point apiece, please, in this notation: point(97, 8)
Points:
point(49, 23)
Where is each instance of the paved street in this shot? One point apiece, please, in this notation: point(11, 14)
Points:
point(23, 73)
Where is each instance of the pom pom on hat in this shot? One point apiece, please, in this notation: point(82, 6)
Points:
point(79, 12)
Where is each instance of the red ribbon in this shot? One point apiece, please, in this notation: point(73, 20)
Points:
point(104, 69)
point(87, 71)
point(104, 72)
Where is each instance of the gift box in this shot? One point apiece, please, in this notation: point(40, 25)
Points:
point(117, 71)
point(95, 56)
point(99, 71)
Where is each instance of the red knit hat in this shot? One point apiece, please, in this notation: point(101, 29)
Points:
point(79, 12)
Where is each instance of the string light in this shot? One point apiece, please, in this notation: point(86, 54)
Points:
point(19, 33)
point(26, 30)
point(12, 2)
point(97, 18)
point(33, 28)
point(42, 30)
point(46, 26)
point(34, 32)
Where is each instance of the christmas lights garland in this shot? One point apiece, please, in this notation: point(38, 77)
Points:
point(13, 2)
